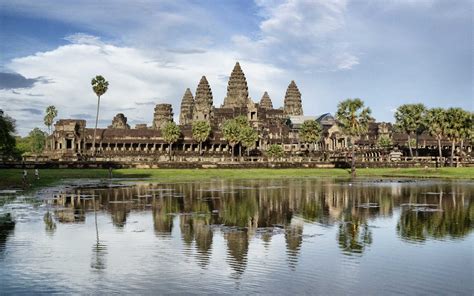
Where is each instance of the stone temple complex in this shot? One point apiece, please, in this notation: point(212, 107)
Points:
point(72, 140)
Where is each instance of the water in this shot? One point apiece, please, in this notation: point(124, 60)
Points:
point(278, 237)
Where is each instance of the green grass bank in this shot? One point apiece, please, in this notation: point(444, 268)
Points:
point(13, 177)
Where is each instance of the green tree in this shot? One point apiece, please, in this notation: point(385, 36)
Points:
point(436, 124)
point(37, 139)
point(248, 138)
point(353, 118)
point(409, 119)
point(467, 131)
point(231, 132)
point(171, 134)
point(201, 131)
point(49, 116)
point(7, 138)
point(275, 151)
point(100, 87)
point(456, 119)
point(385, 142)
point(310, 132)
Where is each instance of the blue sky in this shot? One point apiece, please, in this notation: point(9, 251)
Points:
point(387, 52)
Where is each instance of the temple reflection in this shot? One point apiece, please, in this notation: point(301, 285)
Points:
point(243, 210)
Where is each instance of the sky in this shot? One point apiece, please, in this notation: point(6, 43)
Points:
point(386, 52)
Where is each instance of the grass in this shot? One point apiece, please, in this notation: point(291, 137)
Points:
point(12, 177)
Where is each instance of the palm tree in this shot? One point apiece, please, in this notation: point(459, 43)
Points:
point(51, 113)
point(354, 120)
point(231, 132)
point(436, 124)
point(201, 131)
point(99, 86)
point(409, 119)
point(171, 134)
point(456, 120)
point(248, 138)
point(310, 132)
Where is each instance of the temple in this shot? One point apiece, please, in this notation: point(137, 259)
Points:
point(72, 140)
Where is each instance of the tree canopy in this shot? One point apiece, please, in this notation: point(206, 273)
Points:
point(50, 113)
point(310, 131)
point(7, 138)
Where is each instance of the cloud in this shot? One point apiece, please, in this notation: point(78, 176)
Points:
point(133, 79)
point(33, 111)
point(15, 81)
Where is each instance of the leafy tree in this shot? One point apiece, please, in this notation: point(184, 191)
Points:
point(385, 142)
point(275, 150)
point(248, 138)
point(456, 119)
point(99, 86)
point(7, 138)
point(242, 121)
point(231, 132)
point(171, 134)
point(436, 124)
point(353, 118)
point(310, 132)
point(409, 119)
point(37, 139)
point(467, 131)
point(51, 113)
point(201, 131)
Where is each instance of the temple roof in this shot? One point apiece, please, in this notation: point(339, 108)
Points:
point(266, 102)
point(237, 89)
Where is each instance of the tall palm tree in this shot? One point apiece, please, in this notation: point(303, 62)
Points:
point(456, 119)
point(353, 118)
point(201, 131)
point(51, 113)
point(99, 86)
point(171, 133)
point(436, 124)
point(409, 119)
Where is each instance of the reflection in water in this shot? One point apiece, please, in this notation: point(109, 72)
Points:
point(49, 224)
point(243, 210)
point(7, 226)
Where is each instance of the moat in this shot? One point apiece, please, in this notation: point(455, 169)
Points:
point(277, 236)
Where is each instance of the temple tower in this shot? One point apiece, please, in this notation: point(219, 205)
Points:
point(203, 101)
point(266, 102)
point(237, 90)
point(119, 122)
point(292, 105)
point(163, 114)
point(187, 106)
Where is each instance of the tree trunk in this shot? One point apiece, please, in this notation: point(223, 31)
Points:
point(440, 152)
point(240, 152)
point(95, 129)
point(416, 149)
point(409, 146)
point(200, 149)
point(232, 153)
point(169, 148)
point(353, 170)
point(451, 162)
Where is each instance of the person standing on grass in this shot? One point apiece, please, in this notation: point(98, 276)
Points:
point(37, 174)
point(24, 177)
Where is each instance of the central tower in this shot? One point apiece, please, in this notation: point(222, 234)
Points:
point(237, 90)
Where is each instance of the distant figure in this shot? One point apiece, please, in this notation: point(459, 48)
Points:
point(24, 177)
point(110, 172)
point(37, 174)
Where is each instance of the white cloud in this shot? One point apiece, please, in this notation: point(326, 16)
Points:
point(136, 79)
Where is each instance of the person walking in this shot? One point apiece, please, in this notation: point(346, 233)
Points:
point(37, 174)
point(24, 177)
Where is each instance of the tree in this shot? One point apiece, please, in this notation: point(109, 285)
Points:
point(231, 133)
point(99, 86)
point(248, 138)
point(243, 123)
point(37, 139)
point(353, 118)
point(456, 119)
point(310, 132)
point(467, 131)
point(275, 150)
point(171, 133)
point(436, 124)
point(201, 131)
point(385, 142)
point(49, 116)
point(7, 138)
point(409, 119)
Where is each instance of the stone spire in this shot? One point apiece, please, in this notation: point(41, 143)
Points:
point(237, 90)
point(163, 114)
point(119, 122)
point(203, 101)
point(266, 102)
point(187, 106)
point(292, 105)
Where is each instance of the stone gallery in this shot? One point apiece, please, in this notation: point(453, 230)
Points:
point(73, 140)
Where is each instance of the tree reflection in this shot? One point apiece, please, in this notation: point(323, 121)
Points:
point(49, 223)
point(7, 227)
point(353, 236)
point(237, 250)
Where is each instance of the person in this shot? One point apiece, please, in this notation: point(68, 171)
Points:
point(37, 174)
point(25, 175)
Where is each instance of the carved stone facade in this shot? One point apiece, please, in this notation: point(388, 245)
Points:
point(203, 102)
point(237, 90)
point(163, 114)
point(187, 106)
point(292, 104)
point(119, 122)
point(266, 102)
